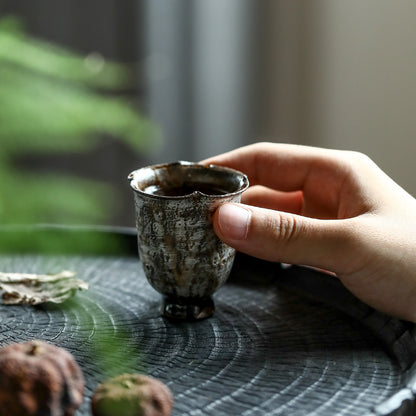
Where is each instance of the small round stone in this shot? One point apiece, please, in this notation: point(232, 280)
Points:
point(132, 395)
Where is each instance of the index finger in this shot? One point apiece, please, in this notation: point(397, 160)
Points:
point(285, 167)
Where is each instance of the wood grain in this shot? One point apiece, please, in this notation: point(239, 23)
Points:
point(266, 351)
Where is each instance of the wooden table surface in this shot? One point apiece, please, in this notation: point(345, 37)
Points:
point(281, 342)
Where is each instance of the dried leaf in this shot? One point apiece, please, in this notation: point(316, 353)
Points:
point(33, 289)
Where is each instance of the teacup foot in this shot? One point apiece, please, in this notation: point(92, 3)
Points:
point(188, 309)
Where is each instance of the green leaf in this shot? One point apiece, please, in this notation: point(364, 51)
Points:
point(53, 100)
point(48, 59)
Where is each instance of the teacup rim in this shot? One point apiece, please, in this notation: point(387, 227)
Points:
point(241, 189)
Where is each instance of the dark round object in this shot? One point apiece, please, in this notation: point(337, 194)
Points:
point(192, 309)
point(39, 379)
point(132, 395)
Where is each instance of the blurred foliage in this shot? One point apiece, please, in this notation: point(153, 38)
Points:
point(55, 101)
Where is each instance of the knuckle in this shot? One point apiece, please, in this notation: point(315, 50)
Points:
point(261, 144)
point(283, 228)
point(356, 158)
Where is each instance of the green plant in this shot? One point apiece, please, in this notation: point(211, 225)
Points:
point(55, 101)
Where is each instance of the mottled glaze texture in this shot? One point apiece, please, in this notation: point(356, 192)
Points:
point(182, 257)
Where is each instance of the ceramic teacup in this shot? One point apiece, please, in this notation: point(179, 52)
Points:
point(182, 257)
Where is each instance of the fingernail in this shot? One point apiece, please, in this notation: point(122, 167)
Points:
point(234, 221)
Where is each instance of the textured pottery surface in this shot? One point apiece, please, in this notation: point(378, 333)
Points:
point(182, 257)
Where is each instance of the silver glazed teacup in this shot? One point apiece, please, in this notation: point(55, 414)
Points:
point(182, 257)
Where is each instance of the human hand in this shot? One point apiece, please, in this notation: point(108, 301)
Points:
point(330, 209)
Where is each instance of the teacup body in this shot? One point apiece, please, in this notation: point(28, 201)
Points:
point(182, 257)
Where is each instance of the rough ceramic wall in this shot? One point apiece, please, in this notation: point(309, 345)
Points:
point(342, 74)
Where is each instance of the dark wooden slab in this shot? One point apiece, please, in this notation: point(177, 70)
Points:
point(282, 341)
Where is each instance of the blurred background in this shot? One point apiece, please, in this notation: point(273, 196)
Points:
point(199, 77)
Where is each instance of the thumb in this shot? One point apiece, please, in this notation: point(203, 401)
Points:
point(285, 237)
